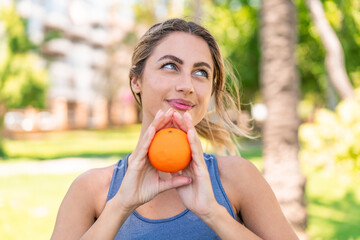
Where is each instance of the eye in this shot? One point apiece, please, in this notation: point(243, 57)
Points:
point(170, 66)
point(201, 73)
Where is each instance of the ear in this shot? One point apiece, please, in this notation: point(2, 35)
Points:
point(136, 84)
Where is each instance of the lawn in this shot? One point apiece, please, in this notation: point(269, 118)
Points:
point(29, 203)
point(92, 143)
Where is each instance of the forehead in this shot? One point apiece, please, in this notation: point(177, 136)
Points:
point(188, 47)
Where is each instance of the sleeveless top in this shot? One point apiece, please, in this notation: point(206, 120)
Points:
point(185, 225)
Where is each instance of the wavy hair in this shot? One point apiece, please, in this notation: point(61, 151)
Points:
point(217, 126)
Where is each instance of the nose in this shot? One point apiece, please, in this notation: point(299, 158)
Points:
point(185, 84)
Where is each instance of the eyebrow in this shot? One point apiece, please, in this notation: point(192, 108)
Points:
point(202, 64)
point(172, 57)
point(178, 60)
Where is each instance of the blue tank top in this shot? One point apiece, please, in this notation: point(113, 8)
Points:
point(185, 225)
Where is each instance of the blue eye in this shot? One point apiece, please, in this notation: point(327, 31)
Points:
point(170, 66)
point(202, 73)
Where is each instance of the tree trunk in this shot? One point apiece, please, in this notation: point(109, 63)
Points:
point(334, 59)
point(280, 85)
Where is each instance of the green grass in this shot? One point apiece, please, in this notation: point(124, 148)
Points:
point(92, 143)
point(333, 205)
point(29, 203)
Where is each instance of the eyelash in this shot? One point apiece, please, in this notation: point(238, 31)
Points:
point(176, 68)
point(205, 72)
point(169, 63)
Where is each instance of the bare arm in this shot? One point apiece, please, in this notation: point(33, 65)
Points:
point(254, 198)
point(198, 196)
point(108, 224)
point(225, 226)
point(77, 212)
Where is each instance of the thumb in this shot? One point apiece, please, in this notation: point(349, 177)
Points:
point(174, 182)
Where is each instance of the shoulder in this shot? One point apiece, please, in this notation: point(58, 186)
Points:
point(92, 186)
point(240, 178)
point(253, 199)
point(83, 203)
point(235, 168)
point(95, 178)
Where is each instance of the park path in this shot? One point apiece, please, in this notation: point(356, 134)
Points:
point(55, 166)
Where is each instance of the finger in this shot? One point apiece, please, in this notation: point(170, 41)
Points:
point(165, 121)
point(188, 121)
point(192, 134)
point(196, 148)
point(143, 146)
point(159, 117)
point(176, 173)
point(176, 181)
point(176, 125)
point(194, 142)
point(179, 122)
point(144, 143)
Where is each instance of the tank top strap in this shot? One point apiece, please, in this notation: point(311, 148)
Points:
point(118, 175)
point(185, 225)
point(211, 162)
point(218, 189)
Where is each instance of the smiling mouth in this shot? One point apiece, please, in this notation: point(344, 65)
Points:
point(180, 104)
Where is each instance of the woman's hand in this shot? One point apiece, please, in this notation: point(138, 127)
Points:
point(142, 182)
point(197, 196)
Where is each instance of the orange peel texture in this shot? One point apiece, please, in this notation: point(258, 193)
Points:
point(169, 150)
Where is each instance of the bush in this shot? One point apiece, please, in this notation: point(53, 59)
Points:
point(333, 138)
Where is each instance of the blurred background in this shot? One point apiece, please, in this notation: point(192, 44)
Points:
point(66, 105)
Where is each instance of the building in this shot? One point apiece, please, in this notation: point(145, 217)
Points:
point(89, 76)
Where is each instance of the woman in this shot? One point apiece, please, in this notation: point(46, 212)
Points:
point(177, 68)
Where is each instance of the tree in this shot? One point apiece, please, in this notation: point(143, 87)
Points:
point(234, 24)
point(23, 80)
point(280, 85)
point(334, 59)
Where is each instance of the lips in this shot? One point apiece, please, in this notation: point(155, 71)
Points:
point(180, 104)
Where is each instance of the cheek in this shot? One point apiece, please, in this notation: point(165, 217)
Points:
point(204, 93)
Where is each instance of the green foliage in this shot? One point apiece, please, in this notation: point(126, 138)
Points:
point(144, 12)
point(333, 200)
point(234, 25)
point(310, 56)
point(344, 18)
point(23, 79)
point(334, 137)
point(15, 30)
point(349, 35)
point(53, 34)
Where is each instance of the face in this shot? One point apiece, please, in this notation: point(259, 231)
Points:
point(178, 74)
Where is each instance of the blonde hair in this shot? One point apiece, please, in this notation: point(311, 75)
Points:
point(217, 126)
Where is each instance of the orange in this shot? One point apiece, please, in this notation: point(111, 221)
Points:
point(169, 150)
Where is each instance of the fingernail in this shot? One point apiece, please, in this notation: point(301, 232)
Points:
point(169, 111)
